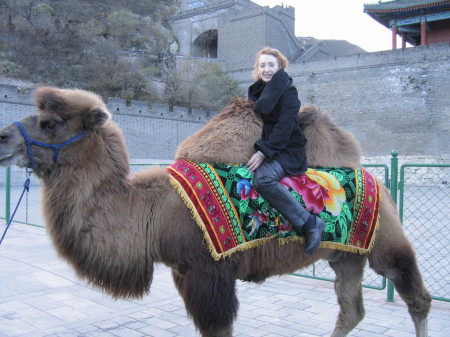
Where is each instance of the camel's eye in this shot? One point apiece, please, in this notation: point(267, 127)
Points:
point(50, 126)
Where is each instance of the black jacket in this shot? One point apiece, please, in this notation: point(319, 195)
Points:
point(277, 103)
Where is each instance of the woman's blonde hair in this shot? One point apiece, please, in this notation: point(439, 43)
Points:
point(283, 62)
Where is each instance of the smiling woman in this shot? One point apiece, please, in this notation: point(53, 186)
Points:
point(281, 149)
point(268, 65)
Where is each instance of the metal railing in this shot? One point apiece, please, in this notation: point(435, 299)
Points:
point(423, 195)
point(424, 208)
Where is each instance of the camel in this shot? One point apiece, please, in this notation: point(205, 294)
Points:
point(112, 226)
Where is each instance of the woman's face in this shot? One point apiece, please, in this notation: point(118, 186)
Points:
point(267, 67)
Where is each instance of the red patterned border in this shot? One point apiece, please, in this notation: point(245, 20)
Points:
point(366, 217)
point(199, 188)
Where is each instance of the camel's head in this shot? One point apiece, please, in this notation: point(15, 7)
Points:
point(41, 138)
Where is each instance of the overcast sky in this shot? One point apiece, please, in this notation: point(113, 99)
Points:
point(337, 20)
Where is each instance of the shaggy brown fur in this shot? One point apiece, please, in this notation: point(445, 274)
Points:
point(226, 138)
point(112, 227)
point(328, 144)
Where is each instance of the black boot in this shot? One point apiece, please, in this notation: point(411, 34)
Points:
point(313, 229)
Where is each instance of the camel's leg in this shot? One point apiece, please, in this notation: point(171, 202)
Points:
point(399, 265)
point(393, 257)
point(210, 300)
point(349, 271)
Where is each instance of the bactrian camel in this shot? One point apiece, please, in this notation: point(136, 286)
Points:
point(112, 226)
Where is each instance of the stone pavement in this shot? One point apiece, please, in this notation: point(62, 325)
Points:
point(40, 296)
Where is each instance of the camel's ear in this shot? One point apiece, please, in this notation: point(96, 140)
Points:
point(95, 117)
point(307, 115)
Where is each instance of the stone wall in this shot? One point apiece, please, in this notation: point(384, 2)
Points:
point(243, 34)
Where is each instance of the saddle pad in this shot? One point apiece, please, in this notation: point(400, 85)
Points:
point(233, 216)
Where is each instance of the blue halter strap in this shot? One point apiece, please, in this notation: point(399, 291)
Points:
point(54, 147)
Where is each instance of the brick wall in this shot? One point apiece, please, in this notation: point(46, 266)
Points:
point(245, 35)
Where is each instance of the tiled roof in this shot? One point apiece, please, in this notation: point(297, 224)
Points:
point(403, 5)
point(389, 12)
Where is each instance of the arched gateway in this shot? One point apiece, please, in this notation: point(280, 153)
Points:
point(233, 31)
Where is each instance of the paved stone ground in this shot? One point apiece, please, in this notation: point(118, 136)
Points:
point(40, 296)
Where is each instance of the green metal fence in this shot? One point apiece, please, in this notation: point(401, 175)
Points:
point(423, 195)
point(29, 212)
point(424, 208)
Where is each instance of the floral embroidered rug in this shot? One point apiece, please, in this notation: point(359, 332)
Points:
point(233, 216)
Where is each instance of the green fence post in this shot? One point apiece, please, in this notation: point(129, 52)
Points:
point(394, 186)
point(8, 195)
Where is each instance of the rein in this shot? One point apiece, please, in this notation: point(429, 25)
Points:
point(29, 142)
point(26, 187)
point(54, 147)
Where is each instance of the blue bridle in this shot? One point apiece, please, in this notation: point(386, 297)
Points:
point(54, 147)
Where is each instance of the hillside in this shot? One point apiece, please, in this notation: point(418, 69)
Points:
point(80, 43)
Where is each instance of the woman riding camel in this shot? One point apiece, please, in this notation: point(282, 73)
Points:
point(281, 150)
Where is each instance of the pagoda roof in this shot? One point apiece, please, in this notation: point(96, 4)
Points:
point(385, 12)
point(404, 5)
point(407, 15)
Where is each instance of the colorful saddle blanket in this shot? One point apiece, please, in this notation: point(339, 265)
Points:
point(233, 216)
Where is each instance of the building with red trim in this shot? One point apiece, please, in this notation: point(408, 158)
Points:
point(418, 22)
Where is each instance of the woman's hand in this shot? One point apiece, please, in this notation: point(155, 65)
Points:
point(255, 161)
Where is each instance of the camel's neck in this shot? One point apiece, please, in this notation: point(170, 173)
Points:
point(82, 201)
point(101, 222)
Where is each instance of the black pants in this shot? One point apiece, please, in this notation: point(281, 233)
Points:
point(267, 183)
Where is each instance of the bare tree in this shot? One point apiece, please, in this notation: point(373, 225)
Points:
point(172, 85)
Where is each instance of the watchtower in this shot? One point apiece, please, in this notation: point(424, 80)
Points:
point(233, 31)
